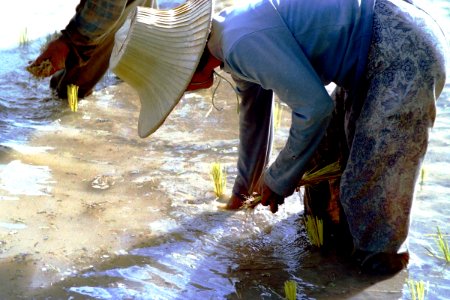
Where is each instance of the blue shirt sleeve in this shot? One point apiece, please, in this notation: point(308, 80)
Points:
point(273, 59)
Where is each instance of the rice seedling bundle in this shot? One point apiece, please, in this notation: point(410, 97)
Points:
point(314, 228)
point(328, 172)
point(72, 97)
point(219, 177)
point(290, 289)
point(417, 289)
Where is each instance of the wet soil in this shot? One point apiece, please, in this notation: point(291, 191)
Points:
point(106, 186)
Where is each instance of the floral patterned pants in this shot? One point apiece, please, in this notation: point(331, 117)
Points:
point(389, 134)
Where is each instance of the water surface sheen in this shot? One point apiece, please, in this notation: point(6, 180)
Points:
point(90, 211)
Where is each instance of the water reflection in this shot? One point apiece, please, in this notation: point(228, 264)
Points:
point(12, 226)
point(111, 216)
point(18, 178)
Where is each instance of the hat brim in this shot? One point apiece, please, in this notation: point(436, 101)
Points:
point(159, 55)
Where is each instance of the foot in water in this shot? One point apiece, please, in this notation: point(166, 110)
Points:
point(235, 202)
point(381, 263)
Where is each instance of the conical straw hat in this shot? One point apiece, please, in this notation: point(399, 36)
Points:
point(159, 55)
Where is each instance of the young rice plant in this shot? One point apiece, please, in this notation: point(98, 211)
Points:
point(277, 113)
point(23, 38)
point(417, 289)
point(219, 177)
point(290, 289)
point(72, 97)
point(442, 245)
point(314, 228)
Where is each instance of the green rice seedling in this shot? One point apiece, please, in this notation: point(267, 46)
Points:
point(422, 177)
point(328, 172)
point(219, 177)
point(277, 113)
point(72, 97)
point(290, 289)
point(417, 289)
point(314, 228)
point(23, 38)
point(442, 245)
point(251, 201)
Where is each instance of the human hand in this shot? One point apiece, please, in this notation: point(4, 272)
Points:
point(51, 60)
point(269, 197)
point(235, 202)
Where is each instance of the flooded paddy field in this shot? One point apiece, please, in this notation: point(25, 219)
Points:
point(88, 210)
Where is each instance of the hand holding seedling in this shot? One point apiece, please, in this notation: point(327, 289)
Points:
point(51, 60)
point(269, 197)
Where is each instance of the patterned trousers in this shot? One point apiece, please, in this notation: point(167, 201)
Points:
point(388, 134)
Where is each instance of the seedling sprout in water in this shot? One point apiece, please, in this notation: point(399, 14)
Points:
point(219, 177)
point(277, 113)
point(422, 177)
point(314, 228)
point(290, 289)
point(72, 97)
point(443, 247)
point(23, 39)
point(417, 289)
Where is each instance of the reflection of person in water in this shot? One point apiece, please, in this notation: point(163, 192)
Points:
point(387, 55)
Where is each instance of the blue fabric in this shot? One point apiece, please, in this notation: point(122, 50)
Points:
point(334, 35)
point(97, 17)
point(293, 48)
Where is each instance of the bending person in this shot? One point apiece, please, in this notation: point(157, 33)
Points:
point(388, 55)
point(80, 55)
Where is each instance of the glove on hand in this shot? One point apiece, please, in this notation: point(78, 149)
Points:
point(51, 60)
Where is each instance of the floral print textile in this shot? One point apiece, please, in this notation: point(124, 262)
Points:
point(405, 75)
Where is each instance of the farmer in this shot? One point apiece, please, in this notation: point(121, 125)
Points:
point(389, 57)
point(81, 54)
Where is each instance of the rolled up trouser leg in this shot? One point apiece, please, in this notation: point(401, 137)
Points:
point(406, 74)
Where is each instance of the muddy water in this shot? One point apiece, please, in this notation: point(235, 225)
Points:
point(90, 211)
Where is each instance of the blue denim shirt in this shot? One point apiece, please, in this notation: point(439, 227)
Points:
point(293, 47)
